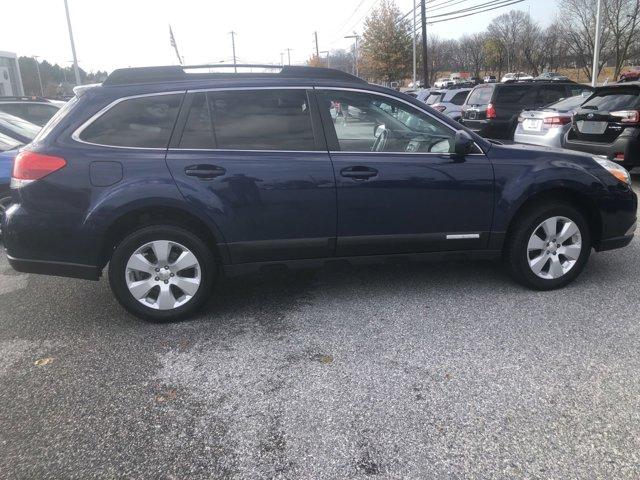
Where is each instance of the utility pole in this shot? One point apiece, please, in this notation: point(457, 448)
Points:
point(327, 52)
point(315, 34)
point(596, 50)
point(73, 46)
point(282, 58)
point(425, 61)
point(35, 59)
point(289, 54)
point(233, 47)
point(355, 51)
point(413, 37)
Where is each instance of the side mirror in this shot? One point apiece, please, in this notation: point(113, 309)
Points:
point(463, 143)
point(378, 129)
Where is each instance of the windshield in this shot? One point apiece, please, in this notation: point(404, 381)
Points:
point(18, 126)
point(567, 104)
point(610, 101)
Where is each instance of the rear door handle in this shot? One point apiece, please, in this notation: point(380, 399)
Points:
point(359, 172)
point(204, 171)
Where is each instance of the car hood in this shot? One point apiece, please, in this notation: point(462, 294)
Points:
point(526, 151)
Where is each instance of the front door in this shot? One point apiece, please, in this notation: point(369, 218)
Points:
point(400, 188)
point(255, 161)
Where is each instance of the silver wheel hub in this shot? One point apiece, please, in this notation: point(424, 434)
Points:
point(163, 274)
point(554, 247)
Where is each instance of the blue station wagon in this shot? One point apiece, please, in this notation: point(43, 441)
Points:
point(175, 176)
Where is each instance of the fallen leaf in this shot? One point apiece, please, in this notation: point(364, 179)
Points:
point(43, 361)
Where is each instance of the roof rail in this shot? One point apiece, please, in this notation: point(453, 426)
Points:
point(176, 73)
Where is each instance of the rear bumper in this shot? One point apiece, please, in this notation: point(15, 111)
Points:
point(61, 269)
point(629, 145)
point(553, 138)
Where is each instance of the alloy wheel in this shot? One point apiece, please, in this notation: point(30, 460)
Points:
point(163, 274)
point(554, 247)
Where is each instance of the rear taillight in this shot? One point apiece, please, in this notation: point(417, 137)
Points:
point(491, 111)
point(438, 107)
point(30, 166)
point(557, 121)
point(627, 116)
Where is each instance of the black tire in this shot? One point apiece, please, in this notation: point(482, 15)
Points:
point(516, 256)
point(138, 238)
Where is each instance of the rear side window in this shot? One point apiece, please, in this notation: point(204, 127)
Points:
point(459, 98)
point(261, 120)
point(610, 101)
point(551, 94)
point(144, 122)
point(433, 98)
point(521, 94)
point(480, 96)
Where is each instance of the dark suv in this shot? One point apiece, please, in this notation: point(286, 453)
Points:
point(608, 124)
point(492, 110)
point(175, 178)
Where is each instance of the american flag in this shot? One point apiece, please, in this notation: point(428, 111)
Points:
point(173, 40)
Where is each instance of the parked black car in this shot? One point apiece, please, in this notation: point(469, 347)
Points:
point(608, 124)
point(492, 109)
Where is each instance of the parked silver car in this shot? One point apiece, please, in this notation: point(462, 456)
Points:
point(548, 125)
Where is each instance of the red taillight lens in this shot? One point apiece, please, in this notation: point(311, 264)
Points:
point(29, 166)
point(491, 111)
point(627, 116)
point(557, 121)
point(619, 156)
point(440, 108)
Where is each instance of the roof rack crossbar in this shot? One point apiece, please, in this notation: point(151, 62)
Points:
point(176, 73)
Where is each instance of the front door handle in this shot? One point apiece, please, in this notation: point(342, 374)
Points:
point(205, 172)
point(359, 172)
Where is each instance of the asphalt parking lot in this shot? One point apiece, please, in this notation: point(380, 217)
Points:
point(396, 371)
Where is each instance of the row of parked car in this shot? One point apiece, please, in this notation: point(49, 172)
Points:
point(555, 113)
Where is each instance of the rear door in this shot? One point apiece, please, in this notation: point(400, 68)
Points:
point(399, 187)
point(254, 160)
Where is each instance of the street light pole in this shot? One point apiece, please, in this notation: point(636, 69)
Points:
point(425, 61)
point(76, 71)
point(596, 50)
point(413, 36)
point(355, 51)
point(288, 55)
point(35, 59)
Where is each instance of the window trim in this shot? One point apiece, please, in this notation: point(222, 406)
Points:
point(78, 131)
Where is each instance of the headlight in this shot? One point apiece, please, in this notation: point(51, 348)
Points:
point(614, 169)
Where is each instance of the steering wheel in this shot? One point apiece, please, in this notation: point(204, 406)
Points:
point(381, 141)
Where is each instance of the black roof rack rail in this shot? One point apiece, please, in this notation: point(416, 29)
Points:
point(176, 73)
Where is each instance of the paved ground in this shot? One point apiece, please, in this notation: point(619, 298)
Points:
point(421, 371)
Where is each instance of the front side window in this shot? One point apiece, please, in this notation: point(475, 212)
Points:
point(144, 122)
point(366, 122)
point(261, 120)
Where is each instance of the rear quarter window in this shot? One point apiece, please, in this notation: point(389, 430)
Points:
point(143, 122)
point(480, 96)
point(459, 98)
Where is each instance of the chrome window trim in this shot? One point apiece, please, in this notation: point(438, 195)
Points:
point(218, 89)
point(78, 131)
point(178, 149)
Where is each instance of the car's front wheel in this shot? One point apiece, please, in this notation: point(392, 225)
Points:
point(548, 246)
point(162, 273)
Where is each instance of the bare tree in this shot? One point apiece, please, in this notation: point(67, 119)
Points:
point(507, 30)
point(622, 18)
point(473, 52)
point(579, 20)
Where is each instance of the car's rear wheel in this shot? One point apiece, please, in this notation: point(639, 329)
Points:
point(162, 273)
point(548, 246)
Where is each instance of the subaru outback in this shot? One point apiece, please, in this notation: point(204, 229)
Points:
point(177, 176)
